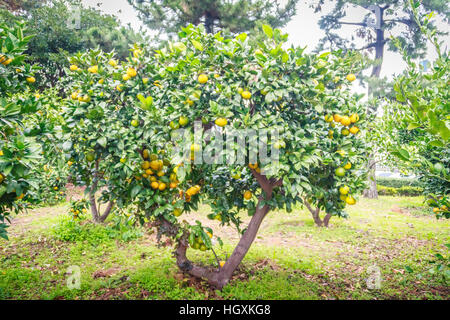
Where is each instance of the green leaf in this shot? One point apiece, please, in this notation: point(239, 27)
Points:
point(102, 141)
point(136, 189)
point(436, 143)
point(413, 125)
point(268, 30)
point(404, 154)
point(67, 146)
point(197, 45)
point(242, 37)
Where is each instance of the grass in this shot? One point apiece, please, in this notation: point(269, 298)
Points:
point(290, 259)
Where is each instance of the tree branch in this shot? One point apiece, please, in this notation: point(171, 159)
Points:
point(362, 24)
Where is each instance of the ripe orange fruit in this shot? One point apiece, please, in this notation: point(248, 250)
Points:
point(345, 132)
point(31, 79)
point(344, 190)
point(162, 186)
point(345, 121)
point(348, 166)
point(155, 165)
point(337, 118)
point(183, 121)
point(73, 67)
point(145, 165)
point(247, 195)
point(246, 95)
point(203, 78)
point(354, 118)
point(354, 130)
point(160, 173)
point(221, 122)
point(328, 118)
point(351, 77)
point(6, 62)
point(350, 200)
point(93, 69)
point(253, 165)
point(222, 263)
point(154, 185)
point(172, 185)
point(177, 212)
point(131, 72)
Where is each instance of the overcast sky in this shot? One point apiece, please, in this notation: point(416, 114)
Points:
point(303, 29)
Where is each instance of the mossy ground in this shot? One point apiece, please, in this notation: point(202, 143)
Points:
point(290, 259)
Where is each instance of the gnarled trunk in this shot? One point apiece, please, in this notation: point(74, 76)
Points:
point(371, 192)
point(316, 215)
point(96, 215)
point(219, 278)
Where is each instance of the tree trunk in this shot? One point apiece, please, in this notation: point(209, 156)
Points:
point(316, 215)
point(243, 246)
point(96, 216)
point(372, 192)
point(209, 22)
point(220, 278)
point(326, 220)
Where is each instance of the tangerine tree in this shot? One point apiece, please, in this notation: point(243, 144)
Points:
point(207, 119)
point(341, 175)
point(415, 127)
point(18, 152)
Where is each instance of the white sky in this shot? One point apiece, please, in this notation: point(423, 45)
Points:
point(303, 29)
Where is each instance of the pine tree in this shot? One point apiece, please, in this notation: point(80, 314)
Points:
point(382, 18)
point(236, 16)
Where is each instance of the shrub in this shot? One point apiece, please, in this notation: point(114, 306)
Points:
point(402, 191)
point(80, 230)
point(398, 182)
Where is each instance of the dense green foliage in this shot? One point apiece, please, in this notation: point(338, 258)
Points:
point(18, 148)
point(56, 36)
point(234, 16)
point(417, 125)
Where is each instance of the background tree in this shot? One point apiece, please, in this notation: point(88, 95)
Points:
point(56, 37)
point(382, 17)
point(18, 152)
point(168, 16)
point(416, 126)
